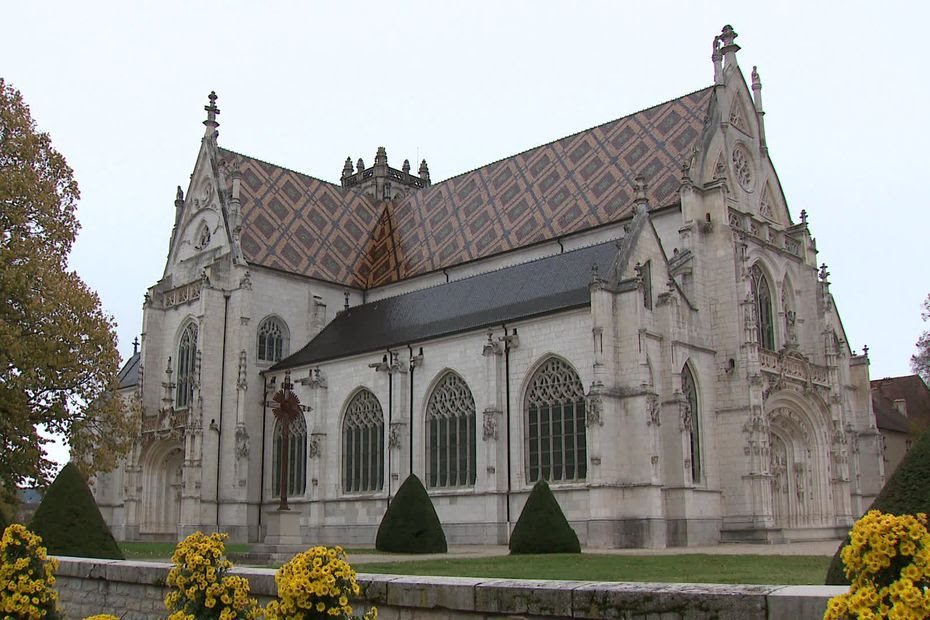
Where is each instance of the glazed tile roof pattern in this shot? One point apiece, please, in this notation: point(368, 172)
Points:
point(303, 225)
point(296, 223)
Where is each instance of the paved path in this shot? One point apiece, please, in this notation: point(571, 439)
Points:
point(819, 547)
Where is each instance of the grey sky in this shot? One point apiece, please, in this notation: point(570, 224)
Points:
point(121, 88)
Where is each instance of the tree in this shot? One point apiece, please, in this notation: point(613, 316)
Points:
point(920, 361)
point(410, 524)
point(58, 359)
point(69, 521)
point(542, 526)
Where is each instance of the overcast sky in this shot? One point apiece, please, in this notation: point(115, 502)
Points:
point(121, 87)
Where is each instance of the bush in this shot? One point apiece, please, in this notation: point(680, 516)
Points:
point(907, 491)
point(542, 526)
point(69, 521)
point(410, 524)
point(26, 576)
point(888, 562)
point(316, 584)
point(201, 589)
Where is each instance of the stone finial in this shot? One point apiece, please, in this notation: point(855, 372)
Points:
point(135, 345)
point(756, 89)
point(360, 165)
point(406, 167)
point(803, 216)
point(717, 59)
point(639, 186)
point(179, 198)
point(823, 274)
point(729, 49)
point(727, 36)
point(347, 168)
point(381, 157)
point(211, 123)
point(424, 170)
point(865, 350)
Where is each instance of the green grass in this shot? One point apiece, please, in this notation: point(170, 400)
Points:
point(163, 550)
point(692, 568)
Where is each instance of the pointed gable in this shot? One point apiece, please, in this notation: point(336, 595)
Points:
point(300, 224)
point(296, 223)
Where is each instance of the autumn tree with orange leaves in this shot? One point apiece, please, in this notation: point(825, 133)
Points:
point(58, 358)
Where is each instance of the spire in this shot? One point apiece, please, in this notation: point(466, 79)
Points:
point(424, 171)
point(729, 49)
point(381, 157)
point(211, 109)
point(347, 168)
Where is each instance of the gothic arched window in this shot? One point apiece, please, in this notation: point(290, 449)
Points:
point(272, 340)
point(762, 305)
point(187, 358)
point(693, 421)
point(451, 443)
point(363, 444)
point(555, 424)
point(296, 458)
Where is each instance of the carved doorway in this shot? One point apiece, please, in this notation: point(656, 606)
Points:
point(799, 469)
point(161, 490)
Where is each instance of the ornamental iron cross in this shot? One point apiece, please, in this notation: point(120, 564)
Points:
point(286, 409)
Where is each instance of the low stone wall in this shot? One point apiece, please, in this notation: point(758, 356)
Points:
point(135, 590)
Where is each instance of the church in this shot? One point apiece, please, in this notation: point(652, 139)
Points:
point(630, 313)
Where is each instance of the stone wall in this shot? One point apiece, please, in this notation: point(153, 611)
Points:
point(134, 591)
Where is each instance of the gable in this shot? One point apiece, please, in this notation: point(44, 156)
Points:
point(296, 223)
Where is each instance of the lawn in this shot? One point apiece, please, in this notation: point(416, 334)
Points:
point(163, 550)
point(686, 568)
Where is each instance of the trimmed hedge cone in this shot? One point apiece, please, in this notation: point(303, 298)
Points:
point(69, 521)
point(542, 526)
point(410, 524)
point(907, 491)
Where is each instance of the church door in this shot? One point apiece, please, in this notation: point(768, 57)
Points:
point(161, 488)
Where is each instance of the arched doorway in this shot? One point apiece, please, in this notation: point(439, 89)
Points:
point(799, 463)
point(161, 489)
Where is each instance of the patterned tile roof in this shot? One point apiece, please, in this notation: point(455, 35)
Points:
point(300, 224)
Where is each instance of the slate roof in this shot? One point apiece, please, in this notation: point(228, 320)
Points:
point(534, 288)
point(129, 374)
point(300, 224)
point(914, 392)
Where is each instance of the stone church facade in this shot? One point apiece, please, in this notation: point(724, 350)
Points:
point(630, 313)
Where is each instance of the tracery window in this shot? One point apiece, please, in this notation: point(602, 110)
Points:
point(187, 357)
point(272, 340)
point(762, 305)
point(693, 426)
point(363, 444)
point(555, 424)
point(296, 458)
point(451, 443)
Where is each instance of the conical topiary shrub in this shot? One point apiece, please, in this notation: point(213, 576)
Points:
point(69, 521)
point(410, 524)
point(542, 526)
point(907, 491)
